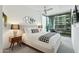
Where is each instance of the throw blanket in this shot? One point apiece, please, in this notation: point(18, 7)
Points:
point(46, 37)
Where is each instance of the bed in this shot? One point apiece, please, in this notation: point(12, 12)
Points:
point(32, 39)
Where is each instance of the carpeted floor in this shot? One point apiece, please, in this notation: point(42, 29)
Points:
point(65, 47)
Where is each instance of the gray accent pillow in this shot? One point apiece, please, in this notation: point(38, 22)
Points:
point(34, 30)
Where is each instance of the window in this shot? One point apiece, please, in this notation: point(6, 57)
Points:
point(61, 23)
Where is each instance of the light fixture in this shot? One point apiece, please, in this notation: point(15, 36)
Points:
point(14, 28)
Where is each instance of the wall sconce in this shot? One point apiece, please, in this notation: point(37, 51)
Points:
point(5, 19)
point(39, 26)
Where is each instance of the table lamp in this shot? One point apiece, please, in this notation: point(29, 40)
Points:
point(15, 27)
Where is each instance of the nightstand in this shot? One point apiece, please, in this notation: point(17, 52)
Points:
point(14, 40)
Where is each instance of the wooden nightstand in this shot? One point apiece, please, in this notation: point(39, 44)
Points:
point(14, 40)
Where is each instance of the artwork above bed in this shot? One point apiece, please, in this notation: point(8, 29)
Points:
point(29, 20)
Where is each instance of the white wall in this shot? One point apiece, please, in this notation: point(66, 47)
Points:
point(75, 37)
point(17, 13)
point(1, 28)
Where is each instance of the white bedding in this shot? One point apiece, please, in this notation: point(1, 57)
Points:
point(32, 39)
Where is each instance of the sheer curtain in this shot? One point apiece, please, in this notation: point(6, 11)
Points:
point(44, 23)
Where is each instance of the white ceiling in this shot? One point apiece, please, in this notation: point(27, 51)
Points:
point(40, 8)
point(56, 8)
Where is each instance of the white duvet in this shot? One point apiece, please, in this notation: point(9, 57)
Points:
point(32, 39)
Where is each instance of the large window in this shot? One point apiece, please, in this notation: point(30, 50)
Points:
point(61, 23)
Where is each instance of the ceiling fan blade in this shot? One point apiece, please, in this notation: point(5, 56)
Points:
point(49, 9)
point(45, 11)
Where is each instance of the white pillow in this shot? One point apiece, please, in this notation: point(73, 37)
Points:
point(27, 30)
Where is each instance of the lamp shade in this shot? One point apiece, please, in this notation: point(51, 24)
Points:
point(15, 26)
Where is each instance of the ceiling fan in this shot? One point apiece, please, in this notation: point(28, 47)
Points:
point(45, 10)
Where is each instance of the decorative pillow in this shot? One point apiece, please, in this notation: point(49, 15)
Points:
point(34, 30)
